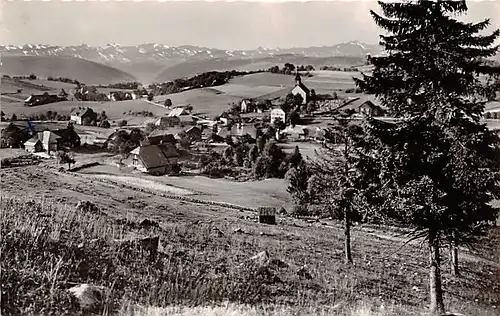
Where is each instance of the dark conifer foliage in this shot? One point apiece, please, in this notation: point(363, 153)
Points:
point(438, 163)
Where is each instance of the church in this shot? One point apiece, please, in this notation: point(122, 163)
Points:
point(301, 89)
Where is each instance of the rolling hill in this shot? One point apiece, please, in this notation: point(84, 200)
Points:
point(85, 71)
point(190, 68)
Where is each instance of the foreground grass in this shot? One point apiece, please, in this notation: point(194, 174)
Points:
point(47, 248)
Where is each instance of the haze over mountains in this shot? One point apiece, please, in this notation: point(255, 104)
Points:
point(146, 61)
point(155, 62)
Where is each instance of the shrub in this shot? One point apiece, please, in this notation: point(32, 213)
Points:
point(122, 123)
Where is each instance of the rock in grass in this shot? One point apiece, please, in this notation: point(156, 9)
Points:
point(89, 297)
point(262, 258)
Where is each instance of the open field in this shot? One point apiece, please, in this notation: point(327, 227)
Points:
point(248, 194)
point(115, 110)
point(83, 70)
point(202, 259)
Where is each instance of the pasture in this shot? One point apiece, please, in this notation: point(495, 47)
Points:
point(205, 254)
point(115, 111)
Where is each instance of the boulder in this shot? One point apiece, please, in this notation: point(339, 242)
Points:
point(89, 297)
point(262, 258)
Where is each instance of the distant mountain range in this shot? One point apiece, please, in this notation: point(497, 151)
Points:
point(115, 54)
point(154, 62)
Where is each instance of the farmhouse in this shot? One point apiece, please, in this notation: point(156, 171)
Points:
point(301, 89)
point(154, 159)
point(361, 106)
point(41, 99)
point(168, 121)
point(278, 114)
point(68, 137)
point(83, 116)
point(48, 140)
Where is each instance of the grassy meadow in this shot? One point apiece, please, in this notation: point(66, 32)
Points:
point(205, 267)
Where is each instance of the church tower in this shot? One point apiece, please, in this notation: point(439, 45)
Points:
point(298, 81)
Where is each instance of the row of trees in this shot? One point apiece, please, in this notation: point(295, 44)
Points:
point(289, 69)
point(207, 79)
point(435, 169)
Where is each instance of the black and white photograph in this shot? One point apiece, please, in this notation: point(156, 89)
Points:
point(250, 158)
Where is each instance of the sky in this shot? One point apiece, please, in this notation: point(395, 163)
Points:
point(224, 25)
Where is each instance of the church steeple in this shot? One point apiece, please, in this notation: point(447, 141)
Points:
point(298, 81)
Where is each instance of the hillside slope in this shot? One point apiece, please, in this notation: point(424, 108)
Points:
point(193, 67)
point(85, 71)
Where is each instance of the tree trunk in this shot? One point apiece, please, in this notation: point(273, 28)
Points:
point(436, 291)
point(454, 257)
point(347, 235)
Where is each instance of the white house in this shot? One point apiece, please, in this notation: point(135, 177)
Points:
point(278, 113)
point(247, 106)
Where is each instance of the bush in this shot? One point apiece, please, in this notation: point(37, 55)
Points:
point(122, 123)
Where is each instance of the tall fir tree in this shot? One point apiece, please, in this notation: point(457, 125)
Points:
point(439, 163)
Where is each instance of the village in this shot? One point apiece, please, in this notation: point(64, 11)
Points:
point(301, 119)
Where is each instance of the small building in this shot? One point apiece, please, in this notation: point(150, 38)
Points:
point(41, 99)
point(361, 106)
point(168, 121)
point(154, 159)
point(33, 145)
point(247, 106)
point(80, 116)
point(48, 140)
point(297, 132)
point(194, 133)
point(278, 114)
point(301, 89)
point(267, 215)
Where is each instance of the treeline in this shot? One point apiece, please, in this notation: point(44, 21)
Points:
point(123, 85)
point(346, 69)
point(207, 79)
point(289, 69)
point(63, 79)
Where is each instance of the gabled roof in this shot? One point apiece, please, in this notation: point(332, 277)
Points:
point(33, 140)
point(244, 130)
point(277, 109)
point(186, 118)
point(49, 137)
point(151, 156)
point(303, 87)
point(178, 112)
point(193, 129)
point(356, 103)
point(80, 112)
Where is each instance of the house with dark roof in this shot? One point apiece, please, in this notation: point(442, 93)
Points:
point(82, 115)
point(40, 99)
point(163, 136)
point(44, 141)
point(301, 89)
point(363, 106)
point(155, 159)
point(168, 121)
